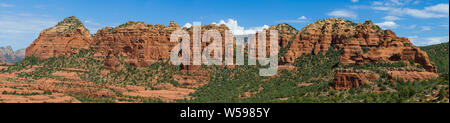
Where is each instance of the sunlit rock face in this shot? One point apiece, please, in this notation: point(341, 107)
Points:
point(67, 37)
point(361, 43)
point(143, 44)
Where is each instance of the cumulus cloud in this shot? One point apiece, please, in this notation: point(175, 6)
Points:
point(355, 1)
point(239, 30)
point(388, 25)
point(343, 13)
point(302, 18)
point(188, 25)
point(419, 41)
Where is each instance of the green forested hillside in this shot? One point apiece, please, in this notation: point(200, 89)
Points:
point(438, 55)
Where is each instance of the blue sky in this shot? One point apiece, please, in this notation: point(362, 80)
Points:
point(423, 21)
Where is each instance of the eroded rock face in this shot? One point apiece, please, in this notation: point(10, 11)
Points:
point(143, 45)
point(361, 43)
point(67, 35)
point(140, 44)
point(352, 79)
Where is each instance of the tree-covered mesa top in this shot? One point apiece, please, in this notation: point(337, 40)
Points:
point(68, 25)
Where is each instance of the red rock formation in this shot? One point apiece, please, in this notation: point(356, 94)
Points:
point(143, 44)
point(352, 79)
point(140, 44)
point(60, 40)
point(361, 43)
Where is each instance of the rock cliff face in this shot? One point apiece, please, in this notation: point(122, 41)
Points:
point(8, 55)
point(361, 43)
point(143, 44)
point(352, 79)
point(139, 43)
point(61, 39)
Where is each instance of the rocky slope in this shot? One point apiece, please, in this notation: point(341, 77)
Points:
point(61, 39)
point(8, 55)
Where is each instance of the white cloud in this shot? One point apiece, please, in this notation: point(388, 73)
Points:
point(443, 8)
point(239, 30)
point(423, 14)
point(388, 25)
point(418, 41)
point(436, 11)
point(411, 26)
point(426, 28)
point(355, 1)
point(20, 29)
point(302, 18)
point(343, 13)
point(188, 25)
point(6, 5)
point(394, 2)
point(391, 18)
point(377, 3)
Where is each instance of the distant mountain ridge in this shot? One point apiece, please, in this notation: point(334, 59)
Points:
point(439, 55)
point(8, 55)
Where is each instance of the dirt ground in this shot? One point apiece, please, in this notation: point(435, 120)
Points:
point(66, 87)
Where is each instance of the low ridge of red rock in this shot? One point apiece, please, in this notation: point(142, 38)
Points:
point(346, 79)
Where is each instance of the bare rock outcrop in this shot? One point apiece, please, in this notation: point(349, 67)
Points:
point(144, 44)
point(361, 43)
point(139, 43)
point(352, 79)
point(61, 39)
